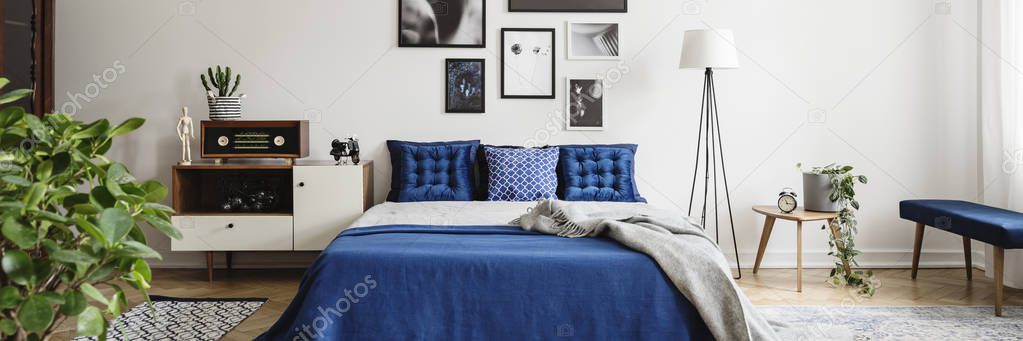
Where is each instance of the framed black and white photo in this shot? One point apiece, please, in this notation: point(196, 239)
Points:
point(593, 41)
point(464, 86)
point(585, 104)
point(608, 6)
point(527, 63)
point(446, 23)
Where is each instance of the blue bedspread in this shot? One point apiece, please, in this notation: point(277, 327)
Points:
point(413, 282)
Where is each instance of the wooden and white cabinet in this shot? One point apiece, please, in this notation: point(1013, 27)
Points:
point(313, 202)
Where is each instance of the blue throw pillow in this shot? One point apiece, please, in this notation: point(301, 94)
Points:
point(432, 171)
point(598, 173)
point(521, 174)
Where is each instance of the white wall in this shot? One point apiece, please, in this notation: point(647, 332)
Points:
point(887, 86)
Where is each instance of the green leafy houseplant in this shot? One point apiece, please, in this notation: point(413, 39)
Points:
point(221, 80)
point(71, 224)
point(842, 243)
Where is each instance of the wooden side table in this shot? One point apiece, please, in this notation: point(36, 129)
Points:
point(772, 213)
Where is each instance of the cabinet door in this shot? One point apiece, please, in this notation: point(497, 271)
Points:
point(327, 200)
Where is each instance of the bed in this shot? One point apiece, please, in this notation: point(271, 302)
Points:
point(458, 271)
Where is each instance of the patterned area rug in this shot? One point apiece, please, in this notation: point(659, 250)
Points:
point(898, 323)
point(182, 319)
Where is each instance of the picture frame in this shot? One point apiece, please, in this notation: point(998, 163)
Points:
point(587, 40)
point(585, 104)
point(465, 85)
point(570, 6)
point(528, 63)
point(417, 17)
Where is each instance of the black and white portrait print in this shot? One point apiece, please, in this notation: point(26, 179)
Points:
point(465, 86)
point(441, 23)
point(527, 67)
point(585, 103)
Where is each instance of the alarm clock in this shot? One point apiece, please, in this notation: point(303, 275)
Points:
point(787, 200)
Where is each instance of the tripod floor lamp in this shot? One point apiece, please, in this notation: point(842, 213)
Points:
point(709, 50)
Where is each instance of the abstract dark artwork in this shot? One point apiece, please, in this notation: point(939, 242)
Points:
point(585, 104)
point(614, 6)
point(527, 63)
point(465, 86)
point(441, 23)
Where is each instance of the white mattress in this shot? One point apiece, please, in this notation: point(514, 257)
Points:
point(473, 212)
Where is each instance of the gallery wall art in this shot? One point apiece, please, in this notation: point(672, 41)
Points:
point(614, 6)
point(591, 40)
point(585, 101)
point(527, 63)
point(465, 86)
point(431, 23)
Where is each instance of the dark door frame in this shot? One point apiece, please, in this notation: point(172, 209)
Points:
point(42, 57)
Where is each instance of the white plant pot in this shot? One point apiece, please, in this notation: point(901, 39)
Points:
point(225, 108)
point(817, 193)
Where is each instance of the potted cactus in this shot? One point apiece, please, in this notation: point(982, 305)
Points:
point(220, 93)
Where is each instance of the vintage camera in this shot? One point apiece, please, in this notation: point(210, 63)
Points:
point(348, 148)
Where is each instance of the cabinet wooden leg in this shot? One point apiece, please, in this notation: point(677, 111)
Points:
point(999, 272)
point(764, 237)
point(969, 258)
point(230, 259)
point(799, 256)
point(917, 243)
point(209, 266)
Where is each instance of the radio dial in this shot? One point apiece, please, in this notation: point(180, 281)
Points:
point(223, 141)
point(279, 141)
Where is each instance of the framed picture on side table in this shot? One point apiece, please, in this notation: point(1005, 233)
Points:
point(593, 41)
point(527, 63)
point(585, 104)
point(464, 86)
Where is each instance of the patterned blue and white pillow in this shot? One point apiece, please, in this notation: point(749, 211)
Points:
point(521, 174)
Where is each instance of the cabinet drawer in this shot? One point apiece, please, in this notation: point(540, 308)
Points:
point(233, 233)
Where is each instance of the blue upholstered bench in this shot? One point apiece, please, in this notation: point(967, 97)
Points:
point(1003, 229)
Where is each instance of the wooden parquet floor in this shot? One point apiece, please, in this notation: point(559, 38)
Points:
point(769, 287)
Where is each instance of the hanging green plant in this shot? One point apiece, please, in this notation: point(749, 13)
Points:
point(843, 230)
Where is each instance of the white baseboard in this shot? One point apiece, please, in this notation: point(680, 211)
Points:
point(783, 259)
point(888, 259)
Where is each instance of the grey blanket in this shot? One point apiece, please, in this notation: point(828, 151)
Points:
point(692, 261)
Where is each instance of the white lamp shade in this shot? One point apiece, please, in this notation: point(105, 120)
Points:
point(714, 49)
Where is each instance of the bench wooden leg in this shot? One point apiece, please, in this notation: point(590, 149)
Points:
point(764, 237)
point(967, 250)
point(917, 243)
point(209, 266)
point(999, 271)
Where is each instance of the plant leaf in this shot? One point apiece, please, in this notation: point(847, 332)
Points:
point(36, 314)
point(14, 95)
point(18, 267)
point(23, 236)
point(17, 180)
point(92, 130)
point(74, 303)
point(115, 223)
point(73, 257)
point(162, 225)
point(155, 191)
point(93, 293)
point(131, 248)
point(92, 323)
point(127, 126)
point(9, 297)
point(34, 195)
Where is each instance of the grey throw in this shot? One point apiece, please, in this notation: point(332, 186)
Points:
point(692, 261)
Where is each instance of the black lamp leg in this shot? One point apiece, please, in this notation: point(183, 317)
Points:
point(709, 138)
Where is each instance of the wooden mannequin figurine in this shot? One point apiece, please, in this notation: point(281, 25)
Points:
point(186, 133)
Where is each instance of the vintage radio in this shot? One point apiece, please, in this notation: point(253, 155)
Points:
point(254, 139)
